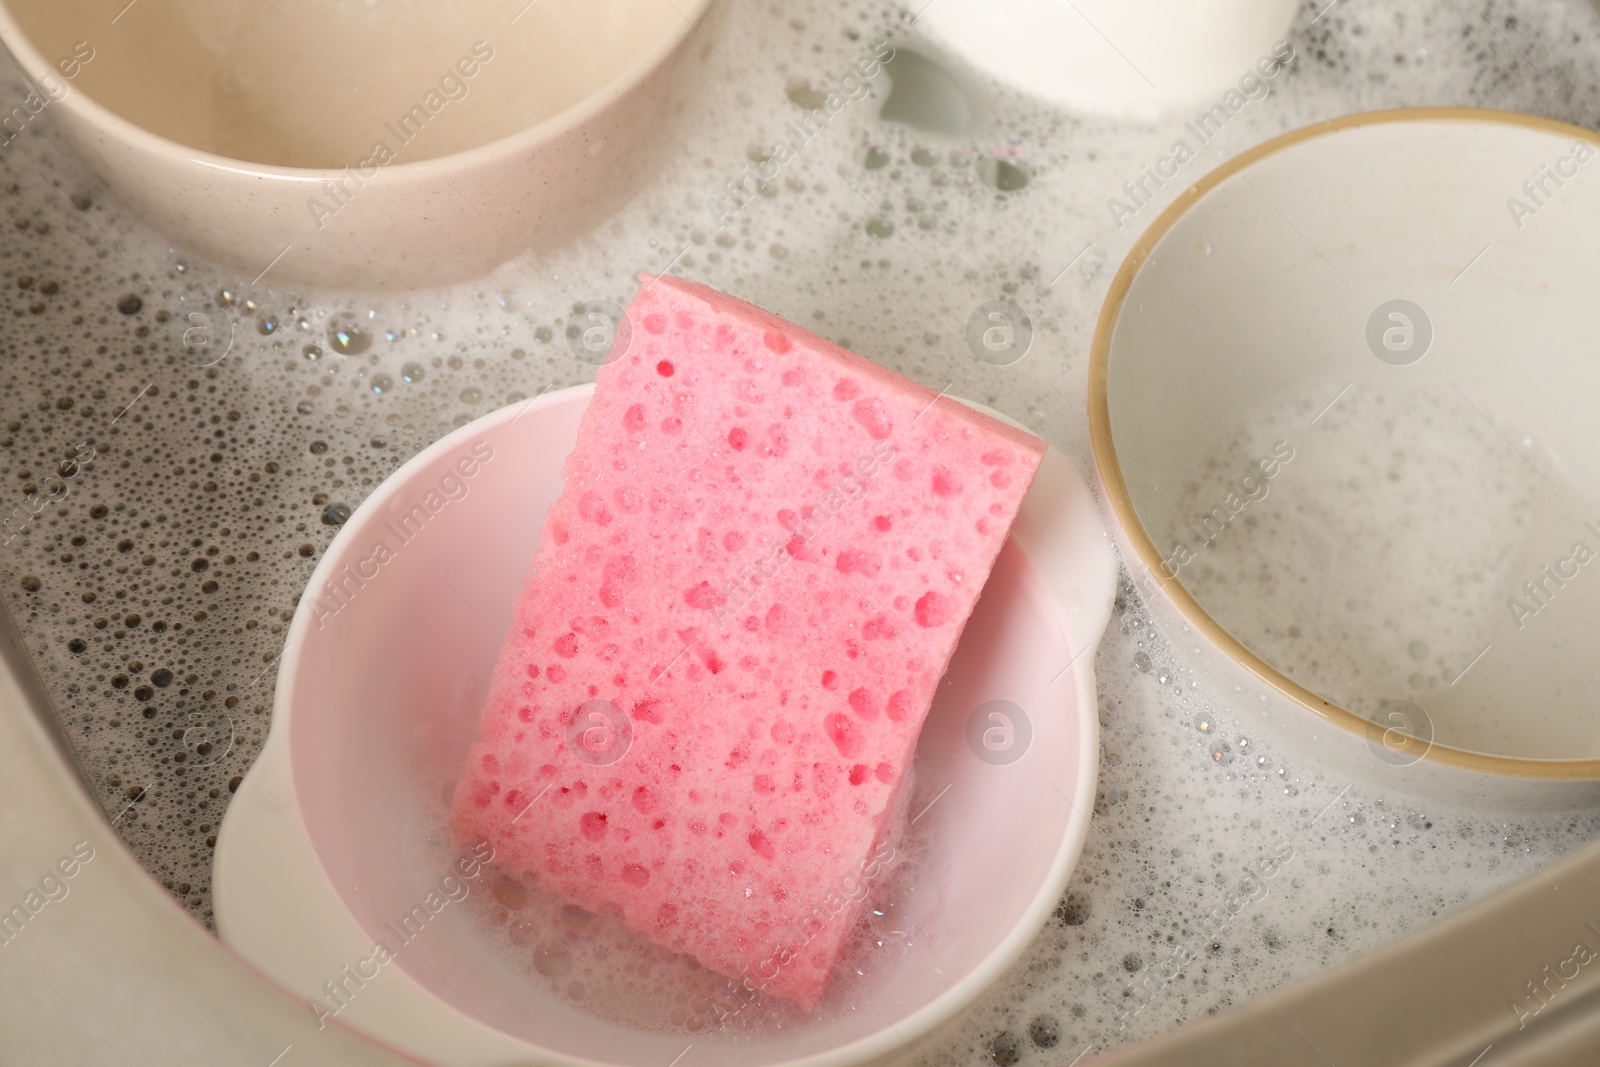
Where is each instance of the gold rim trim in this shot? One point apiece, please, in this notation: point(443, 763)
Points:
point(1116, 488)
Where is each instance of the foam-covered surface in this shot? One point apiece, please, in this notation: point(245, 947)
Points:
point(763, 556)
point(155, 589)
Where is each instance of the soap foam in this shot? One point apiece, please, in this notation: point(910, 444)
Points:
point(1379, 563)
point(593, 963)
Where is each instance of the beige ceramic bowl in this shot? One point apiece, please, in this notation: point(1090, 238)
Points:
point(366, 145)
point(1343, 392)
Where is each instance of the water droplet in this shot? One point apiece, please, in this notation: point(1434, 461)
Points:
point(382, 383)
point(923, 156)
point(335, 514)
point(130, 304)
point(1165, 678)
point(1141, 660)
point(1203, 723)
point(878, 226)
point(1221, 752)
point(471, 395)
point(1045, 1030)
point(267, 324)
point(347, 336)
point(226, 297)
point(311, 352)
point(876, 158)
point(411, 372)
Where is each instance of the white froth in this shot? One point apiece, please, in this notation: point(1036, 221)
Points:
point(889, 259)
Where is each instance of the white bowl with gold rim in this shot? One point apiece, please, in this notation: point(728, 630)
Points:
point(1343, 397)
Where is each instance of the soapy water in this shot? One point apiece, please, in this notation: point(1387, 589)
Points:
point(1380, 562)
point(593, 963)
point(269, 428)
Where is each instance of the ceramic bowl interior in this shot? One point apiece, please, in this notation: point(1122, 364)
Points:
point(1344, 394)
point(378, 701)
point(299, 83)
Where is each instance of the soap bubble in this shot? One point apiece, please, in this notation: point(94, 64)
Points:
point(347, 336)
point(1005, 1049)
point(552, 959)
point(1002, 175)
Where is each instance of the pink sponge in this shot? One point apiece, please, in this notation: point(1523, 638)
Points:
point(754, 578)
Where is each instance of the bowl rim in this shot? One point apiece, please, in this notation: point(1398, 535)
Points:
point(692, 13)
point(1120, 500)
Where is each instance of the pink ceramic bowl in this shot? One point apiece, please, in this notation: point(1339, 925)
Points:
point(378, 698)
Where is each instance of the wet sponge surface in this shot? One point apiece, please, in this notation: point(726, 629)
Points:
point(707, 705)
